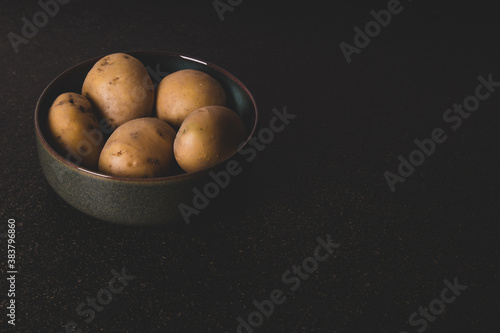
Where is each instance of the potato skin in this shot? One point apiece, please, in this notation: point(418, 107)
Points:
point(120, 89)
point(140, 148)
point(184, 91)
point(208, 136)
point(75, 129)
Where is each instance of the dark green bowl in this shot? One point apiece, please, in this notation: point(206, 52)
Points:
point(133, 201)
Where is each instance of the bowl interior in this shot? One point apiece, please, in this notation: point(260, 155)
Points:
point(158, 64)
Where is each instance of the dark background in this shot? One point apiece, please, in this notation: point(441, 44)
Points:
point(323, 175)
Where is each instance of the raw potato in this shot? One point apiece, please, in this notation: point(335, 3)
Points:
point(184, 91)
point(75, 130)
point(140, 148)
point(208, 136)
point(120, 88)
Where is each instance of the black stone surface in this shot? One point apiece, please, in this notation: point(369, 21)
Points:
point(323, 174)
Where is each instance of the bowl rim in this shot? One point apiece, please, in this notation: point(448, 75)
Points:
point(79, 168)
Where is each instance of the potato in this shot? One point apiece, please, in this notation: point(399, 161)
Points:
point(140, 148)
point(184, 91)
point(208, 136)
point(75, 130)
point(120, 88)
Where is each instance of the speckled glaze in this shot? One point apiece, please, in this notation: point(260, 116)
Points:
point(141, 202)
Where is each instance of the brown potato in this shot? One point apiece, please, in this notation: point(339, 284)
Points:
point(140, 148)
point(184, 91)
point(120, 88)
point(208, 136)
point(75, 130)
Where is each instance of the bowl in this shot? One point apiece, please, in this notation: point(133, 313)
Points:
point(140, 201)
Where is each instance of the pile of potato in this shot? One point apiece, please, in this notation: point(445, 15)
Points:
point(184, 121)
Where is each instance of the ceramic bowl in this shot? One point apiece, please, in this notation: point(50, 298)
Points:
point(134, 201)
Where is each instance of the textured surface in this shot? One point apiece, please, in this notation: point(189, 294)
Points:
point(322, 174)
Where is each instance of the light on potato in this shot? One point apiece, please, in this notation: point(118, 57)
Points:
point(75, 129)
point(140, 148)
point(208, 136)
point(184, 91)
point(120, 88)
